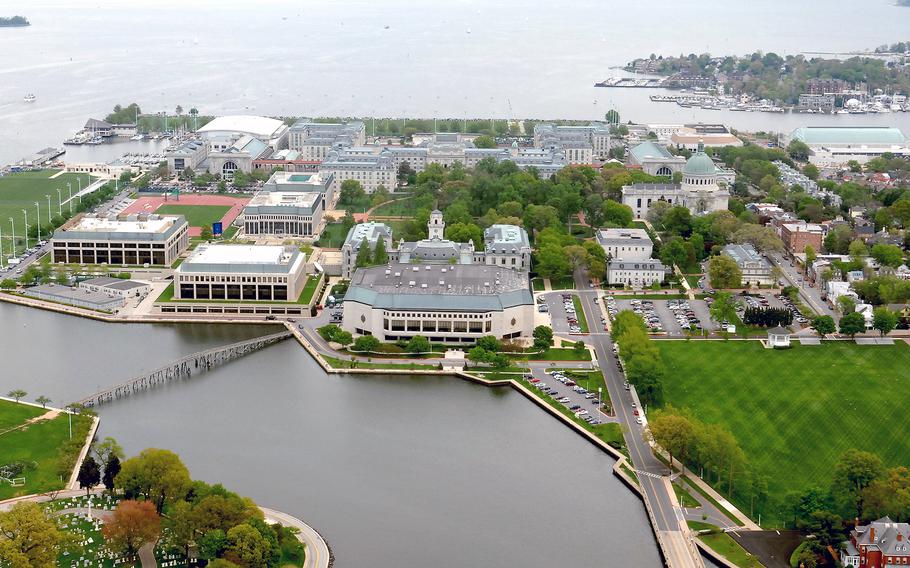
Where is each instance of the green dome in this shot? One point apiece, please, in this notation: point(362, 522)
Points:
point(699, 164)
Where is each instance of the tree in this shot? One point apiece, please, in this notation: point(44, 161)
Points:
point(823, 325)
point(543, 337)
point(17, 394)
point(366, 343)
point(810, 171)
point(857, 251)
point(884, 320)
point(810, 255)
point(464, 232)
point(206, 233)
point(212, 544)
point(380, 256)
point(678, 221)
point(673, 252)
point(674, 432)
point(852, 323)
point(222, 511)
point(158, 475)
point(489, 343)
point(419, 344)
point(364, 258)
point(351, 192)
point(723, 272)
point(344, 338)
point(484, 141)
point(29, 538)
point(42, 400)
point(616, 214)
point(763, 238)
point(888, 255)
point(107, 448)
point(854, 471)
point(847, 304)
point(724, 307)
point(798, 150)
point(552, 261)
point(111, 469)
point(181, 528)
point(132, 525)
point(579, 347)
point(248, 546)
point(889, 495)
point(478, 355)
point(89, 474)
point(7, 284)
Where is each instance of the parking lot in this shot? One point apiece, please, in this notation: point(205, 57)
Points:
point(563, 316)
point(559, 386)
point(674, 317)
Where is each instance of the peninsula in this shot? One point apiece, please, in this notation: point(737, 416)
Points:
point(14, 22)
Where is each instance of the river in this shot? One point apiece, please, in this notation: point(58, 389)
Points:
point(518, 59)
point(393, 471)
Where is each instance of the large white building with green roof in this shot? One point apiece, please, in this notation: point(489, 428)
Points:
point(699, 191)
point(837, 145)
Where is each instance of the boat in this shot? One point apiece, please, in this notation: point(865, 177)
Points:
point(30, 98)
point(137, 137)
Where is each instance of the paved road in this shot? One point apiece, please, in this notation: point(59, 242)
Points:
point(317, 551)
point(810, 295)
point(668, 516)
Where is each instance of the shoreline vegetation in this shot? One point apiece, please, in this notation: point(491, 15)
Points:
point(775, 77)
point(14, 22)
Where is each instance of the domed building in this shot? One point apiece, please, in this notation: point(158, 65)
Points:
point(699, 190)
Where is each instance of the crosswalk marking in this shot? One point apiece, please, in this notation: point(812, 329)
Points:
point(649, 474)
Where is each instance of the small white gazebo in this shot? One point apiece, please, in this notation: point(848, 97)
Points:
point(778, 337)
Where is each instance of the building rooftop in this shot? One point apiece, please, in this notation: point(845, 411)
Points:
point(305, 199)
point(609, 236)
point(700, 164)
point(258, 126)
point(114, 283)
point(434, 287)
point(650, 151)
point(505, 235)
point(75, 296)
point(299, 182)
point(131, 227)
point(744, 253)
point(242, 259)
point(371, 231)
point(850, 135)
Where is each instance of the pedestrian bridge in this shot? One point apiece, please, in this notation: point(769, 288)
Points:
point(183, 368)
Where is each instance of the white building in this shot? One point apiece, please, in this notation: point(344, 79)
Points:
point(699, 190)
point(372, 170)
point(314, 140)
point(755, 268)
point(224, 131)
point(302, 182)
point(626, 244)
point(187, 154)
point(581, 144)
point(284, 214)
point(836, 145)
point(445, 303)
point(241, 272)
point(133, 240)
point(636, 273)
point(508, 246)
point(239, 155)
point(655, 159)
point(116, 287)
point(371, 232)
point(778, 337)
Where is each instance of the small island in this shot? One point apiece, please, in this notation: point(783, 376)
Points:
point(14, 22)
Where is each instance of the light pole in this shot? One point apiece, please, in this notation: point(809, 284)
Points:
point(13, 226)
point(59, 202)
point(70, 200)
point(79, 181)
point(1, 248)
point(38, 216)
point(24, 212)
point(49, 214)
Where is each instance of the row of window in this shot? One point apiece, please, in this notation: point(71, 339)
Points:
point(112, 257)
point(434, 315)
point(74, 244)
point(434, 326)
point(239, 279)
point(233, 292)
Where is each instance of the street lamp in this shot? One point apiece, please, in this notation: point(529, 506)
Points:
point(13, 225)
point(79, 181)
point(1, 248)
point(38, 216)
point(59, 202)
point(24, 212)
point(49, 215)
point(70, 200)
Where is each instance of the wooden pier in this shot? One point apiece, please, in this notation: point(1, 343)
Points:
point(183, 368)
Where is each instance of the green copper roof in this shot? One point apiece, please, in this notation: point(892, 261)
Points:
point(849, 135)
point(699, 164)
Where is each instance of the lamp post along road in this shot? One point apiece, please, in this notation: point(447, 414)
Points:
point(1, 248)
point(70, 200)
point(59, 202)
point(38, 216)
point(24, 212)
point(13, 226)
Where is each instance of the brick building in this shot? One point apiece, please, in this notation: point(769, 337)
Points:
point(880, 544)
point(797, 235)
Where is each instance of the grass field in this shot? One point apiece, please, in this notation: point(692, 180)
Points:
point(38, 443)
point(401, 208)
point(196, 215)
point(794, 412)
point(332, 236)
point(562, 283)
point(21, 191)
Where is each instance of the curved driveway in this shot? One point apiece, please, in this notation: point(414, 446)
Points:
point(317, 551)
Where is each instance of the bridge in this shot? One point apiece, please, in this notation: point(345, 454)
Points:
point(183, 368)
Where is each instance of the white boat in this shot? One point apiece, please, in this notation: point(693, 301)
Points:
point(137, 137)
point(30, 98)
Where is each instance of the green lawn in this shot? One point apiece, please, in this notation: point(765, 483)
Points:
point(21, 190)
point(580, 313)
point(309, 288)
point(346, 364)
point(332, 236)
point(684, 498)
point(557, 354)
point(537, 284)
point(196, 215)
point(12, 414)
point(37, 444)
point(794, 412)
point(730, 549)
point(402, 208)
point(562, 283)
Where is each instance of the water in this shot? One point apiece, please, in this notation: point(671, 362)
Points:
point(393, 471)
point(520, 59)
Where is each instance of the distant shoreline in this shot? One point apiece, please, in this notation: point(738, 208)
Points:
point(14, 22)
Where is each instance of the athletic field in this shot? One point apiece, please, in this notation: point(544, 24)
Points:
point(200, 210)
point(21, 190)
point(794, 412)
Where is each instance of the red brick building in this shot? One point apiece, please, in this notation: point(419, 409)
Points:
point(797, 235)
point(880, 544)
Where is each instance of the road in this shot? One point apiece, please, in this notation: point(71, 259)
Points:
point(811, 296)
point(653, 475)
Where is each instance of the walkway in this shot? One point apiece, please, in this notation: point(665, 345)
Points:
point(317, 551)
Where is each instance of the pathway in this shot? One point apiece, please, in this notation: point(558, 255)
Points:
point(317, 551)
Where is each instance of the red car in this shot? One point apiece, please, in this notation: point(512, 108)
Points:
point(635, 412)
